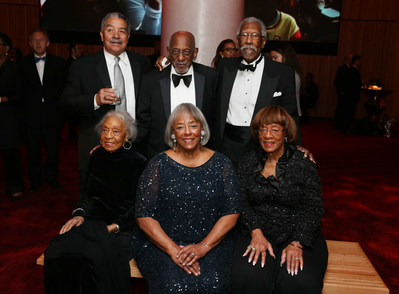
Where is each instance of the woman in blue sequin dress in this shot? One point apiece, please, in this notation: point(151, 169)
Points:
point(187, 202)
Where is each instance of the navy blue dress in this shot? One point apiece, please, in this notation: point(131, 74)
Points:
point(187, 202)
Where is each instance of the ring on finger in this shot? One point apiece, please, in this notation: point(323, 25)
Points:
point(297, 258)
point(192, 253)
point(253, 248)
point(249, 247)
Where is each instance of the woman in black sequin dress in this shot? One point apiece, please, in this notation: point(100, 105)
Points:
point(280, 248)
point(187, 202)
point(92, 252)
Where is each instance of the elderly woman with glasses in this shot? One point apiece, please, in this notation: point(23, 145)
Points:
point(279, 246)
point(187, 202)
point(92, 252)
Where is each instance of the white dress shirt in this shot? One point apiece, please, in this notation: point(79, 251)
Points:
point(40, 66)
point(244, 94)
point(182, 93)
point(124, 64)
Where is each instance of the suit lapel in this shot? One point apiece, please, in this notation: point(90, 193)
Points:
point(267, 88)
point(33, 68)
point(199, 82)
point(136, 71)
point(164, 83)
point(229, 76)
point(102, 70)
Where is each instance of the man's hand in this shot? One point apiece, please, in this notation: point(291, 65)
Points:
point(105, 96)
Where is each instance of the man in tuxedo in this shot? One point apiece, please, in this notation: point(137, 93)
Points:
point(246, 85)
point(40, 79)
point(89, 90)
point(183, 81)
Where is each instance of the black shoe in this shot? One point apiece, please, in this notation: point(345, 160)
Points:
point(35, 187)
point(56, 185)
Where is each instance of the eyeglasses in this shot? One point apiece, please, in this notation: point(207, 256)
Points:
point(177, 52)
point(230, 49)
point(274, 131)
point(254, 36)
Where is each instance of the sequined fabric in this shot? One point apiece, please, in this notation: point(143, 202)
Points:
point(187, 202)
point(287, 208)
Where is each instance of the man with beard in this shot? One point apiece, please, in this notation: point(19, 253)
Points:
point(246, 85)
point(183, 81)
point(103, 81)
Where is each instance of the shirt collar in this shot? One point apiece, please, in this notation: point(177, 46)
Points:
point(35, 55)
point(253, 62)
point(189, 72)
point(110, 59)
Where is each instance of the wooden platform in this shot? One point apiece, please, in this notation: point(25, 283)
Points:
point(349, 271)
point(134, 270)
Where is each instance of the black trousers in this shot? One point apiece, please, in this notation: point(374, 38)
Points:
point(50, 136)
point(274, 278)
point(13, 174)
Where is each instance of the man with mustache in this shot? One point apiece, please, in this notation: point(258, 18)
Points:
point(90, 91)
point(183, 81)
point(246, 85)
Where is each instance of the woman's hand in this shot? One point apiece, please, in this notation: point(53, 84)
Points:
point(190, 254)
point(292, 254)
point(73, 222)
point(192, 268)
point(258, 246)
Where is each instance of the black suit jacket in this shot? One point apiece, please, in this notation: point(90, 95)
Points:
point(41, 101)
point(277, 78)
point(153, 105)
point(86, 77)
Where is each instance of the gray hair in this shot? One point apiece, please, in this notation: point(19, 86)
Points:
point(116, 15)
point(125, 118)
point(192, 110)
point(252, 19)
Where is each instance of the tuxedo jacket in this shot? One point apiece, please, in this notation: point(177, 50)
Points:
point(154, 104)
point(86, 77)
point(277, 88)
point(41, 100)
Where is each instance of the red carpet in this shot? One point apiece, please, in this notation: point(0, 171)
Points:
point(360, 189)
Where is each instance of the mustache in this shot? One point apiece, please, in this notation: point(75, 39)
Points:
point(116, 41)
point(252, 47)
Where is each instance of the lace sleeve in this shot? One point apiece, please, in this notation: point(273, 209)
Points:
point(147, 190)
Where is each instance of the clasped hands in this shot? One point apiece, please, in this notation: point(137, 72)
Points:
point(187, 257)
point(292, 255)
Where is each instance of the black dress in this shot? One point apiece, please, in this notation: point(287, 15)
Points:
point(88, 257)
point(287, 208)
point(187, 202)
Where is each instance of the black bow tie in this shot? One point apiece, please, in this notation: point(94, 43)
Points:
point(37, 59)
point(250, 67)
point(186, 79)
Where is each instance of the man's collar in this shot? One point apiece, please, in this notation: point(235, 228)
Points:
point(253, 62)
point(189, 72)
point(111, 58)
point(35, 55)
